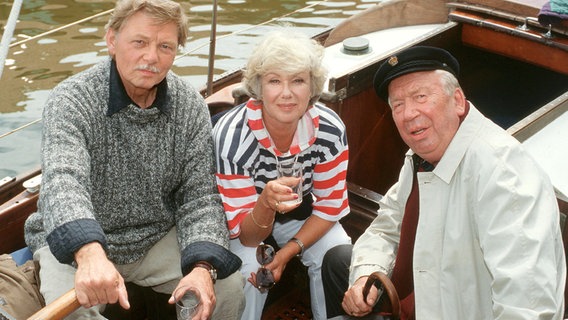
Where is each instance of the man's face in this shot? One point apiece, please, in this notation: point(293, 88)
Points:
point(427, 117)
point(143, 51)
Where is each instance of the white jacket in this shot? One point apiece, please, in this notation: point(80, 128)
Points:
point(488, 243)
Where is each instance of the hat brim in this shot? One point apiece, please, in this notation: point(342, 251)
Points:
point(414, 59)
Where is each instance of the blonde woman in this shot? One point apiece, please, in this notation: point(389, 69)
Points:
point(282, 122)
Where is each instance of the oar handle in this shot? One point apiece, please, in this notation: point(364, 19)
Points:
point(59, 308)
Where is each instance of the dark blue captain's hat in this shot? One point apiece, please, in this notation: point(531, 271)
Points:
point(419, 58)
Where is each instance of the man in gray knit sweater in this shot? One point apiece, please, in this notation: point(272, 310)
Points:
point(128, 191)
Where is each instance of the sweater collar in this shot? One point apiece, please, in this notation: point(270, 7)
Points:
point(119, 99)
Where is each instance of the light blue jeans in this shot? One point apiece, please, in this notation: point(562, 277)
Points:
point(312, 258)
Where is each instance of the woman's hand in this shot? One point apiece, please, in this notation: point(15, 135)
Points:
point(276, 267)
point(277, 192)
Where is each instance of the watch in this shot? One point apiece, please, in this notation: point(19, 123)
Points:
point(209, 267)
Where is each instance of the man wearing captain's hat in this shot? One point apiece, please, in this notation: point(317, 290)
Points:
point(471, 229)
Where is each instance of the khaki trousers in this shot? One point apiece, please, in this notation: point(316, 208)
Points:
point(160, 269)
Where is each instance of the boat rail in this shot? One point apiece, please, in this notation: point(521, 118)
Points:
point(543, 133)
point(523, 22)
point(517, 26)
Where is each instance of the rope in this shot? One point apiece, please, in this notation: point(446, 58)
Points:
point(8, 32)
point(19, 128)
point(62, 27)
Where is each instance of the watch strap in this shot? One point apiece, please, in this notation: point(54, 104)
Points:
point(204, 264)
point(207, 266)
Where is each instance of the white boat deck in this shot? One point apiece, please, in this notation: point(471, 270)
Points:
point(381, 43)
point(549, 146)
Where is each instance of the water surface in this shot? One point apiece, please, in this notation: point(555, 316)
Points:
point(35, 63)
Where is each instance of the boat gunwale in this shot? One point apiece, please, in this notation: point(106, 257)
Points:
point(538, 119)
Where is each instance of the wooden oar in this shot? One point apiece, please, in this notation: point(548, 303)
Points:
point(58, 309)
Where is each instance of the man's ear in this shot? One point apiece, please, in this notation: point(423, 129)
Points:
point(460, 101)
point(110, 38)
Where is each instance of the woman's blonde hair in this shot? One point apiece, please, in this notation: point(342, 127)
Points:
point(285, 51)
point(162, 11)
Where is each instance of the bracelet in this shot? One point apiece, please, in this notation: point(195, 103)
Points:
point(300, 244)
point(260, 225)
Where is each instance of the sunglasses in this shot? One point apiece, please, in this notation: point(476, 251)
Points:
point(264, 277)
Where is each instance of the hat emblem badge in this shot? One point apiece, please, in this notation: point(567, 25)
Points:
point(393, 61)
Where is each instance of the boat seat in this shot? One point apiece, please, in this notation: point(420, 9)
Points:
point(226, 98)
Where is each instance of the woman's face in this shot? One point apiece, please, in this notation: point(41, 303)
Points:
point(285, 97)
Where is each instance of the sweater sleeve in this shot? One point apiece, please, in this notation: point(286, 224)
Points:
point(200, 216)
point(65, 204)
point(330, 172)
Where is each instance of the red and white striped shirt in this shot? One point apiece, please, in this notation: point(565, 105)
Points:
point(246, 161)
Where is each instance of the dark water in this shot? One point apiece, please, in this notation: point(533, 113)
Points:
point(35, 65)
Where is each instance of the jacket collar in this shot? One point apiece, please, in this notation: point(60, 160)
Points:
point(466, 134)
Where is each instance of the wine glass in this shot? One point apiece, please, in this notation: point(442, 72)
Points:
point(188, 302)
point(292, 168)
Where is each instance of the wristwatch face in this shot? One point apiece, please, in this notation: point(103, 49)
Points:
point(213, 273)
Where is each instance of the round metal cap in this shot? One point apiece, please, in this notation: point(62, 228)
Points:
point(355, 45)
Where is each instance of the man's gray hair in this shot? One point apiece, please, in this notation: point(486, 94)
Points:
point(162, 11)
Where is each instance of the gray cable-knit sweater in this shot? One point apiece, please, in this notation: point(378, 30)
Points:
point(126, 179)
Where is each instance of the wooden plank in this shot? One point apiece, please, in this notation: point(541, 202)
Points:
point(526, 8)
point(517, 48)
point(376, 151)
point(364, 204)
point(390, 14)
